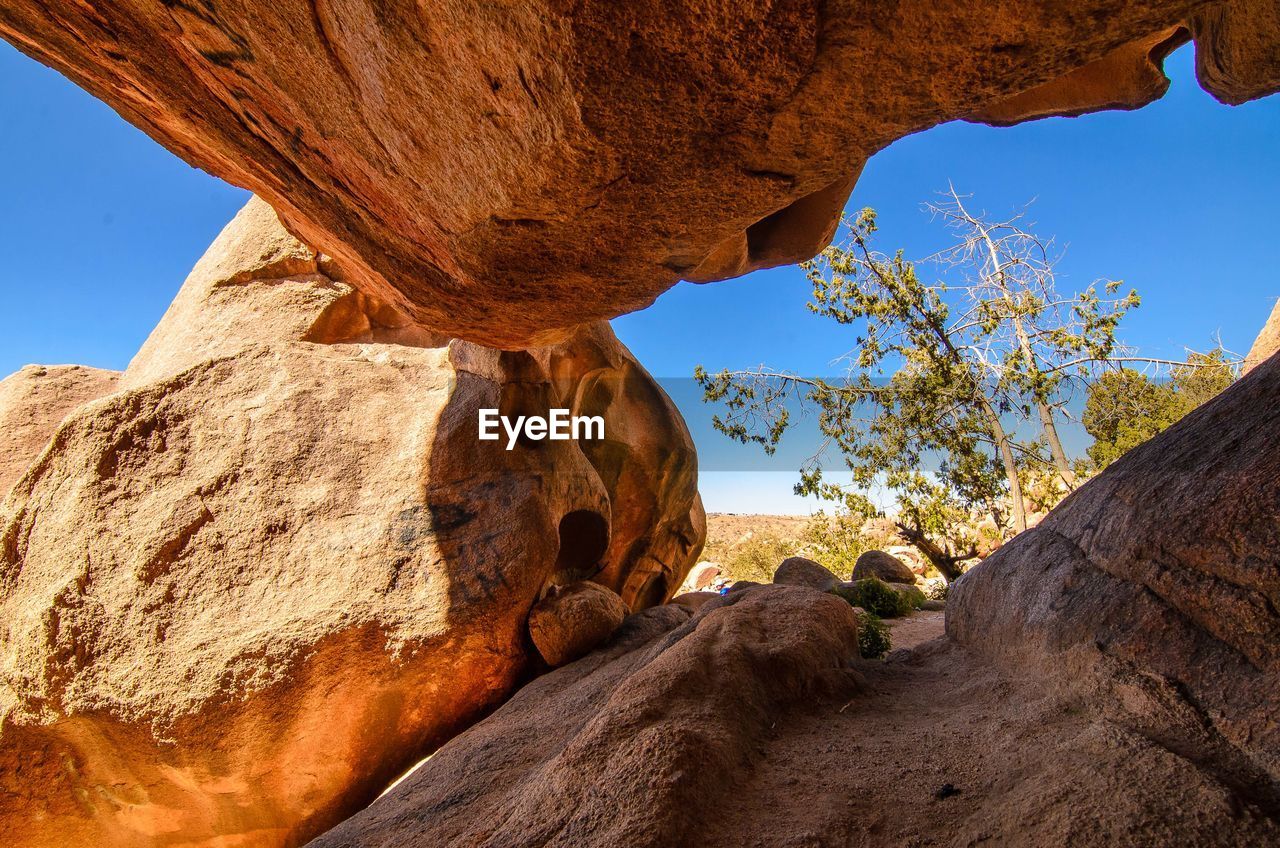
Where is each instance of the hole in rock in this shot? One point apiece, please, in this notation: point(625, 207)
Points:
point(584, 537)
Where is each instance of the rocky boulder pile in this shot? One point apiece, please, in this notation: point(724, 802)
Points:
point(639, 744)
point(274, 566)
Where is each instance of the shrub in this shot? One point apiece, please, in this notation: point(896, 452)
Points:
point(755, 559)
point(835, 541)
point(873, 637)
point(915, 598)
point(879, 598)
point(937, 590)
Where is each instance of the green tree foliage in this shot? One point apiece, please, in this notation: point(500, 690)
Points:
point(935, 372)
point(1126, 407)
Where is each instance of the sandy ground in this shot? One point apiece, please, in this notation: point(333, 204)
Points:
point(942, 749)
point(915, 630)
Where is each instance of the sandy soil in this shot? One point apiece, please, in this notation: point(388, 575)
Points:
point(942, 749)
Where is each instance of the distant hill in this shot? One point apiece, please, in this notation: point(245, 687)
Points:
point(727, 529)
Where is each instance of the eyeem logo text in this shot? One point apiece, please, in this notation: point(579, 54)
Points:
point(558, 426)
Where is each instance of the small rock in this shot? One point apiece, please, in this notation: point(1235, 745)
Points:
point(573, 619)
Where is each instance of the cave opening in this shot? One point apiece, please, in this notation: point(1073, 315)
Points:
point(584, 538)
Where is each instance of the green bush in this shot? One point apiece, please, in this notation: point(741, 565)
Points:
point(756, 559)
point(879, 598)
point(938, 591)
point(873, 637)
point(914, 597)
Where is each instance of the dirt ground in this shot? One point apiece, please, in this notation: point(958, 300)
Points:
point(942, 749)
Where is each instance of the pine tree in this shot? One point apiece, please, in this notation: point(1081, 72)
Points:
point(942, 373)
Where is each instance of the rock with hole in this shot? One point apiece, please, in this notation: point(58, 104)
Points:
point(241, 594)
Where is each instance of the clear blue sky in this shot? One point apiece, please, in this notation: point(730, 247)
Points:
point(99, 226)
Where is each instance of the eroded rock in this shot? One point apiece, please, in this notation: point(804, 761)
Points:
point(572, 620)
point(635, 745)
point(242, 594)
point(506, 173)
point(801, 571)
point(1154, 591)
point(1267, 344)
point(884, 566)
point(694, 600)
point(701, 576)
point(33, 401)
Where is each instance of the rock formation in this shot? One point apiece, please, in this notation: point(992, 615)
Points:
point(721, 731)
point(801, 571)
point(242, 593)
point(271, 566)
point(694, 600)
point(505, 173)
point(1154, 590)
point(573, 619)
point(256, 283)
point(636, 745)
point(701, 576)
point(1267, 344)
point(883, 565)
point(32, 404)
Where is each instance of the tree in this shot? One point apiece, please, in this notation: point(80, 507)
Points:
point(1011, 272)
point(936, 372)
point(1125, 407)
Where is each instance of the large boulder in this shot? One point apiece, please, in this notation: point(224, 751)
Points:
point(802, 571)
point(637, 745)
point(240, 595)
point(1154, 590)
point(33, 402)
point(506, 172)
point(701, 576)
point(882, 565)
point(257, 283)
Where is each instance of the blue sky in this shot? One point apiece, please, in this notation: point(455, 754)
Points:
point(99, 226)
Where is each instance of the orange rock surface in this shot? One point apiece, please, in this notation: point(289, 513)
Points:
point(33, 402)
point(243, 592)
point(505, 172)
